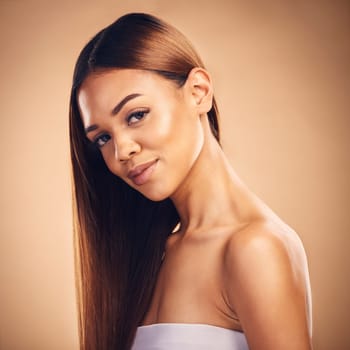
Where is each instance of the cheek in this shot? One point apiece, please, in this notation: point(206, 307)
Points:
point(162, 132)
point(172, 120)
point(176, 135)
point(110, 160)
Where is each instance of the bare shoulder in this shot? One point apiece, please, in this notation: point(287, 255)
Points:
point(267, 285)
point(275, 244)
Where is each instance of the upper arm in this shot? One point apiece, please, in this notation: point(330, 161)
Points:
point(266, 285)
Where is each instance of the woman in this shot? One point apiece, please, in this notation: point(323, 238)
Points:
point(173, 250)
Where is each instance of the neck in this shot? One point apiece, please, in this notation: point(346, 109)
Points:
point(212, 195)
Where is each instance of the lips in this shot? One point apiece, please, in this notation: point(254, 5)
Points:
point(141, 173)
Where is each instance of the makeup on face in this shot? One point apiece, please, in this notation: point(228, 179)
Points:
point(146, 131)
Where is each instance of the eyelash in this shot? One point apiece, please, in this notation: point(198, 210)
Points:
point(136, 115)
point(139, 115)
point(97, 140)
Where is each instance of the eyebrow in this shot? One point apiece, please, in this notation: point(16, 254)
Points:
point(115, 110)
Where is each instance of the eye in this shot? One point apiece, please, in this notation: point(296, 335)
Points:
point(135, 117)
point(100, 141)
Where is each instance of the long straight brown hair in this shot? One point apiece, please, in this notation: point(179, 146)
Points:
point(119, 234)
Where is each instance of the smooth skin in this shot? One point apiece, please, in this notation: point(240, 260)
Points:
point(233, 263)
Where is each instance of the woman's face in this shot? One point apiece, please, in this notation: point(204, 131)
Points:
point(146, 127)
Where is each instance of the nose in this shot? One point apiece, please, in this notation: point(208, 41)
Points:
point(125, 148)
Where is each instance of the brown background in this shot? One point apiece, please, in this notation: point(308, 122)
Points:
point(282, 80)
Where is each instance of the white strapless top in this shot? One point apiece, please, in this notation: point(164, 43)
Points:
point(188, 336)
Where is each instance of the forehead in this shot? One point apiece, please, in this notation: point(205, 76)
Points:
point(101, 92)
point(101, 87)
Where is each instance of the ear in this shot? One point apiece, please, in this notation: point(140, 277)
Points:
point(200, 87)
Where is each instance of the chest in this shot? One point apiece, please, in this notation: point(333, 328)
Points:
point(189, 288)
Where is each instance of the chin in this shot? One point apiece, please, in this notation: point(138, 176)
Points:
point(154, 195)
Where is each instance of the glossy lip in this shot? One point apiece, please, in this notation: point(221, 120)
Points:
point(141, 173)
